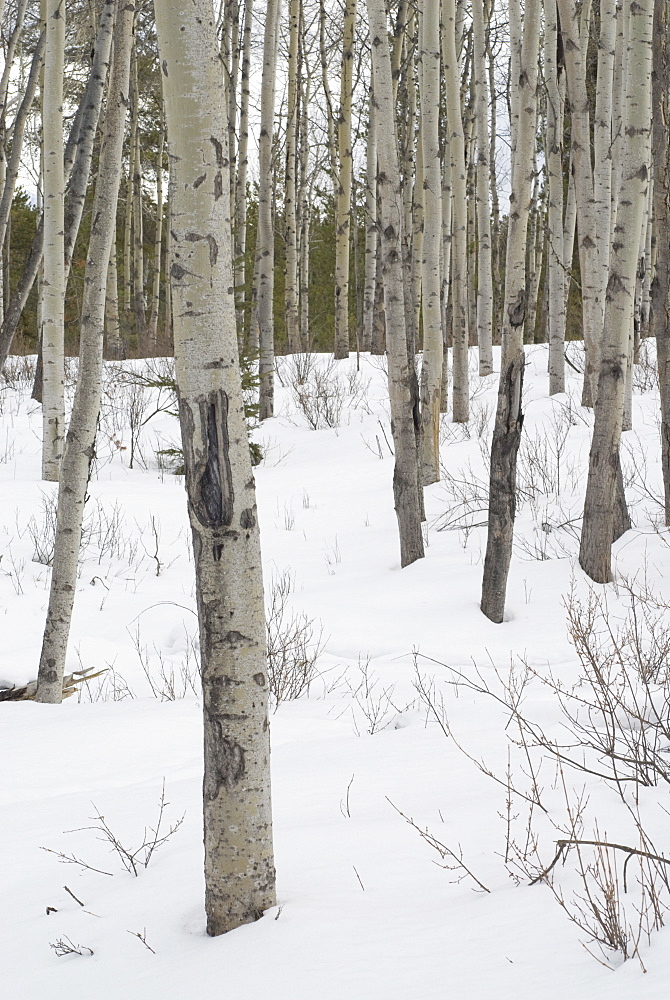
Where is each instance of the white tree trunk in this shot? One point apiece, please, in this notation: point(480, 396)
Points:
point(80, 444)
point(265, 248)
point(53, 284)
point(509, 415)
point(370, 227)
point(239, 867)
point(343, 185)
point(240, 228)
point(459, 299)
point(401, 366)
point(290, 187)
point(601, 492)
point(484, 273)
point(555, 273)
point(431, 371)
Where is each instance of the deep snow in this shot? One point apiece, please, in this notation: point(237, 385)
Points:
point(364, 910)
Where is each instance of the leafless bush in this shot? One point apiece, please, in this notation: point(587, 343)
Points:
point(167, 681)
point(294, 644)
point(132, 860)
point(645, 369)
point(102, 534)
point(545, 475)
point(613, 725)
point(18, 372)
point(321, 389)
point(373, 705)
point(64, 946)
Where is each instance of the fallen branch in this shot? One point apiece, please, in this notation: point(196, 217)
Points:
point(565, 845)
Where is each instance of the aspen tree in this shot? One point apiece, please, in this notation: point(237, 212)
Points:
point(595, 555)
point(484, 274)
point(431, 371)
point(446, 275)
point(371, 234)
point(343, 185)
point(240, 227)
point(265, 251)
point(138, 223)
point(152, 329)
point(660, 288)
point(20, 119)
point(493, 181)
point(400, 364)
point(80, 442)
point(239, 867)
point(408, 169)
point(112, 322)
point(509, 415)
point(554, 161)
point(290, 185)
point(461, 401)
point(304, 198)
point(53, 283)
point(592, 177)
point(230, 81)
point(76, 166)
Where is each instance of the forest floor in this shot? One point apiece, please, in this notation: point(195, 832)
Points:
point(407, 712)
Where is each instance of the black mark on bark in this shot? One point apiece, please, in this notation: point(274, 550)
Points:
point(247, 519)
point(224, 761)
point(207, 460)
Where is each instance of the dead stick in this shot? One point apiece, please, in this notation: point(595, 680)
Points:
point(566, 844)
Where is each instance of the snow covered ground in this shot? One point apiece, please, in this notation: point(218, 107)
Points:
point(364, 911)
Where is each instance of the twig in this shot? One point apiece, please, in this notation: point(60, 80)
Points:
point(70, 892)
point(437, 845)
point(143, 938)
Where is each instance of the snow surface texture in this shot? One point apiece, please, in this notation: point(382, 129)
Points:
point(364, 910)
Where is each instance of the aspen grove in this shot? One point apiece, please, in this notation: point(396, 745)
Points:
point(411, 258)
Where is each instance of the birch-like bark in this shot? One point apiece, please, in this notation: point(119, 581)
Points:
point(493, 180)
point(158, 244)
point(239, 866)
point(78, 170)
point(290, 185)
point(240, 228)
point(343, 185)
point(80, 444)
point(555, 273)
point(325, 84)
point(53, 286)
point(484, 273)
point(660, 288)
point(112, 321)
point(370, 226)
point(509, 414)
point(305, 202)
point(431, 371)
point(401, 366)
point(592, 237)
point(461, 399)
point(595, 554)
point(408, 170)
point(231, 83)
point(138, 224)
point(265, 249)
point(447, 310)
